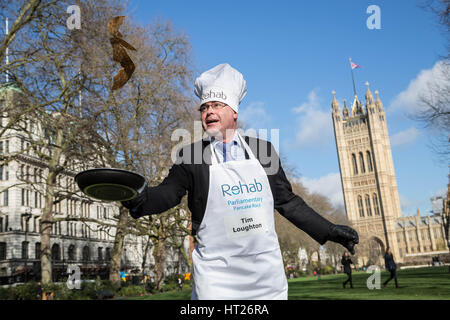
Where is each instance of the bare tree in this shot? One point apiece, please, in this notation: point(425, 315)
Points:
point(435, 100)
point(137, 122)
point(52, 79)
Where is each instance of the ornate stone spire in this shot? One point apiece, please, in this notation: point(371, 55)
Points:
point(378, 102)
point(345, 111)
point(335, 103)
point(356, 107)
point(369, 97)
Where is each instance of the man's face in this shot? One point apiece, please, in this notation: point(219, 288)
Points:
point(217, 117)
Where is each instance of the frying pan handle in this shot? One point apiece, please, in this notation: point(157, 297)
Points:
point(141, 189)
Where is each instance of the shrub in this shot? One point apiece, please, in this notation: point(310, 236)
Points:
point(130, 291)
point(6, 293)
point(169, 287)
point(328, 270)
point(26, 291)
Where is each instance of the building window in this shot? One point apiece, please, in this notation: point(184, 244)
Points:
point(355, 164)
point(36, 199)
point(56, 252)
point(361, 163)
point(1, 224)
point(86, 253)
point(100, 254)
point(2, 250)
point(108, 254)
point(37, 250)
point(368, 206)
point(25, 250)
point(5, 198)
point(376, 208)
point(369, 161)
point(72, 252)
point(360, 206)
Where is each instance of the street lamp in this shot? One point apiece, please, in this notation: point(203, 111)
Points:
point(27, 217)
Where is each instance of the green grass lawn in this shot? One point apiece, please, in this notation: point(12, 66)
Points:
point(418, 284)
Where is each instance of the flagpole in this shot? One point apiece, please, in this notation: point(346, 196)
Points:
point(7, 51)
point(353, 78)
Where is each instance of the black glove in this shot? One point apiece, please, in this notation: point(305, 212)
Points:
point(344, 235)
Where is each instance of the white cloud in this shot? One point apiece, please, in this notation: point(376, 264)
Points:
point(255, 116)
point(328, 186)
point(405, 137)
point(409, 100)
point(315, 127)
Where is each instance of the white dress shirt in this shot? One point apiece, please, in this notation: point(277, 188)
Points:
point(230, 151)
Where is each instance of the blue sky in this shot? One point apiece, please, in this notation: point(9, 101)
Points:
point(294, 53)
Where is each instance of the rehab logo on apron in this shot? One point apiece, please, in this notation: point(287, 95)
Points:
point(243, 201)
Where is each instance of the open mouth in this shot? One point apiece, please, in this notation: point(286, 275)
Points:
point(211, 121)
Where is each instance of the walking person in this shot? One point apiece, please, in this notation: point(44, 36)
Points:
point(180, 284)
point(346, 262)
point(391, 267)
point(39, 291)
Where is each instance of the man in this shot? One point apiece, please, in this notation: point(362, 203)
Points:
point(232, 194)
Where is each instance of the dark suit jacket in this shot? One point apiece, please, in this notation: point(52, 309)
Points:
point(191, 173)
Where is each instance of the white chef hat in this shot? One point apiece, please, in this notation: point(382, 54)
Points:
point(222, 83)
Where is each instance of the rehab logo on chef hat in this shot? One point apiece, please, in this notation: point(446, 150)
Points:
point(222, 83)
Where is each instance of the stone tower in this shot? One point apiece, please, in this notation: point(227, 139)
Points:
point(367, 174)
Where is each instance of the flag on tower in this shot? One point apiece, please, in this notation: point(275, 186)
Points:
point(354, 65)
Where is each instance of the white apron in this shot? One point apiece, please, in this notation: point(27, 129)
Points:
point(238, 255)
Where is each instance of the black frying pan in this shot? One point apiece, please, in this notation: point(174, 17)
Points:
point(110, 184)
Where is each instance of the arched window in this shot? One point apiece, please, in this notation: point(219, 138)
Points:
point(369, 161)
point(72, 252)
point(56, 253)
point(360, 206)
point(368, 206)
point(376, 208)
point(86, 254)
point(355, 165)
point(361, 162)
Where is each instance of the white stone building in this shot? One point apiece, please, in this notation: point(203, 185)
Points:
point(86, 244)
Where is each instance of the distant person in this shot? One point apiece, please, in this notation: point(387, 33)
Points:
point(346, 262)
point(39, 291)
point(180, 284)
point(391, 267)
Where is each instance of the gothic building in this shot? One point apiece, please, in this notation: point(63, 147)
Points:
point(370, 188)
point(85, 244)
